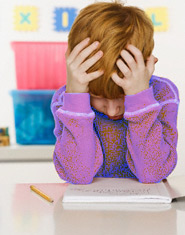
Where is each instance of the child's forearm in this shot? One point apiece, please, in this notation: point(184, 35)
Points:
point(152, 152)
point(152, 141)
point(78, 155)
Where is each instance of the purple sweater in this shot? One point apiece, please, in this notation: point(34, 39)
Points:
point(142, 145)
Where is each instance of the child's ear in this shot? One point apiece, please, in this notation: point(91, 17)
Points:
point(155, 60)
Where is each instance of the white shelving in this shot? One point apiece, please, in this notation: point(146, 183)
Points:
point(26, 153)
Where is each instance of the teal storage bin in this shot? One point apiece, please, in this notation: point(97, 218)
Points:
point(34, 123)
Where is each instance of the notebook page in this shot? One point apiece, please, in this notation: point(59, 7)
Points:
point(117, 190)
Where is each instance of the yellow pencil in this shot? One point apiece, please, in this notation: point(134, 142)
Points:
point(43, 195)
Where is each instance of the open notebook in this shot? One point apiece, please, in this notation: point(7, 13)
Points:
point(115, 190)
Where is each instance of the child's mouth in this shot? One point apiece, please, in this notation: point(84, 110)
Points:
point(116, 117)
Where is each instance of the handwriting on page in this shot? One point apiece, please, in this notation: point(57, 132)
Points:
point(125, 192)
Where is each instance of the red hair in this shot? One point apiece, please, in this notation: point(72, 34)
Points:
point(114, 26)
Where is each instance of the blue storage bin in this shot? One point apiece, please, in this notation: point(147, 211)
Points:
point(34, 123)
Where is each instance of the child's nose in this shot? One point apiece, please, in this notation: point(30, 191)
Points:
point(112, 110)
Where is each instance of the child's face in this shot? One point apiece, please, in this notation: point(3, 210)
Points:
point(113, 108)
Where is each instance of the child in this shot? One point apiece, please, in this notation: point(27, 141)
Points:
point(114, 118)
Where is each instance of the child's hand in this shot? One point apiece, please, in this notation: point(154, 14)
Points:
point(136, 74)
point(77, 66)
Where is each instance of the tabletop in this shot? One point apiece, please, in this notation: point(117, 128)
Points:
point(24, 212)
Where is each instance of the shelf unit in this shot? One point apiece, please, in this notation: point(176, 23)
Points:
point(26, 153)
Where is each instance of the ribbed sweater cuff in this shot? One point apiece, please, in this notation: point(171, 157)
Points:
point(77, 102)
point(141, 100)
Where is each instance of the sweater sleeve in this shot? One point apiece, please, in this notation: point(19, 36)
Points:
point(152, 134)
point(78, 154)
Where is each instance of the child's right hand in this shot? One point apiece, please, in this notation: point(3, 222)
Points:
point(77, 66)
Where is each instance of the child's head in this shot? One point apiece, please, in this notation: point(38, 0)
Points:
point(114, 26)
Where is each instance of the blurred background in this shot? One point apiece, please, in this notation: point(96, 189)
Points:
point(33, 40)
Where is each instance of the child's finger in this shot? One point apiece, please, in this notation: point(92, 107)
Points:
point(67, 53)
point(84, 54)
point(129, 59)
point(91, 61)
point(123, 68)
point(119, 81)
point(77, 49)
point(137, 54)
point(94, 75)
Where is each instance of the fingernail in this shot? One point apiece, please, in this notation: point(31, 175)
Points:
point(96, 43)
point(100, 53)
point(123, 51)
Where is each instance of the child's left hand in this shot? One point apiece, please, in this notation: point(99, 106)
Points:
point(136, 74)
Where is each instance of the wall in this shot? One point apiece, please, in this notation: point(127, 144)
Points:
point(169, 48)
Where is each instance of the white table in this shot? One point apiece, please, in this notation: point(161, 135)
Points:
point(24, 212)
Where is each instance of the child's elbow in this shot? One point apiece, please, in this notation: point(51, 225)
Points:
point(149, 181)
point(156, 176)
point(152, 179)
point(81, 180)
